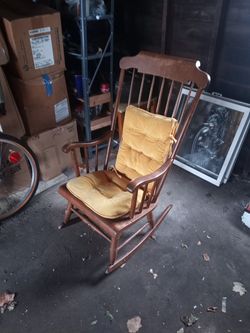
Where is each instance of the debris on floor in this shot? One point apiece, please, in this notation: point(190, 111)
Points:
point(212, 309)
point(199, 243)
point(134, 324)
point(181, 330)
point(189, 320)
point(94, 322)
point(154, 274)
point(246, 216)
point(224, 305)
point(184, 246)
point(109, 315)
point(239, 288)
point(206, 257)
point(7, 302)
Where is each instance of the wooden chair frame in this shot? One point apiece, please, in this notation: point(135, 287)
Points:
point(161, 68)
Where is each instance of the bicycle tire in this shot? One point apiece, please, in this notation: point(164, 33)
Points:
point(30, 163)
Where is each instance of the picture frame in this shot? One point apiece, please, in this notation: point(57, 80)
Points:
point(214, 138)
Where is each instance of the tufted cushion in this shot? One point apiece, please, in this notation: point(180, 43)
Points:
point(104, 192)
point(146, 142)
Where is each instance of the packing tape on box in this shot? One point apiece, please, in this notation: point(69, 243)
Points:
point(48, 83)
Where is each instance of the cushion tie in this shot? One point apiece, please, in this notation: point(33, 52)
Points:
point(113, 168)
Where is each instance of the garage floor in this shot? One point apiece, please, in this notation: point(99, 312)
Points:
point(59, 275)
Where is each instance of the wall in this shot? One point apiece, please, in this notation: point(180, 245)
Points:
point(232, 77)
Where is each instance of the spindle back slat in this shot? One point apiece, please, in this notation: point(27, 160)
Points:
point(161, 78)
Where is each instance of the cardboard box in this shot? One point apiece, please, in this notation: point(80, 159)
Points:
point(10, 123)
point(34, 37)
point(48, 148)
point(4, 55)
point(43, 101)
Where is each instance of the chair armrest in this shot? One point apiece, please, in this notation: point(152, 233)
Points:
point(141, 184)
point(142, 180)
point(71, 148)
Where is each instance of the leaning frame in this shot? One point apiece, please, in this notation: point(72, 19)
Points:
point(208, 150)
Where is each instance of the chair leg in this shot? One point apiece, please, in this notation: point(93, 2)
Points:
point(67, 215)
point(113, 249)
point(150, 219)
point(117, 263)
point(151, 223)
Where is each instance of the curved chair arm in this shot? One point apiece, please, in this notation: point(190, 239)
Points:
point(72, 147)
point(142, 180)
point(155, 178)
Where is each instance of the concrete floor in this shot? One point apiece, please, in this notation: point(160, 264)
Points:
point(59, 275)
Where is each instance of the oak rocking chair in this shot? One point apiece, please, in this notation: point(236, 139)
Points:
point(113, 199)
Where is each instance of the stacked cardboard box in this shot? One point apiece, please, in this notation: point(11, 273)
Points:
point(43, 101)
point(36, 74)
point(10, 122)
point(48, 148)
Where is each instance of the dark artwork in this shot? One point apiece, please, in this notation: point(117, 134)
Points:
point(209, 137)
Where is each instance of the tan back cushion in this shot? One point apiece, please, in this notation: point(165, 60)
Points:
point(146, 142)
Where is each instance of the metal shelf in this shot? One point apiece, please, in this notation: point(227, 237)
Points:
point(97, 99)
point(99, 18)
point(84, 57)
point(89, 57)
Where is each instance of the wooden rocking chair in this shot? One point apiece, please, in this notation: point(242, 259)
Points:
point(113, 199)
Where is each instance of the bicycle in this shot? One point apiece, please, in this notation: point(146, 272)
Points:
point(19, 172)
point(19, 175)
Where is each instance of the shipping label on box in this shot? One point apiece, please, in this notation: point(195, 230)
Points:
point(42, 51)
point(61, 110)
point(38, 31)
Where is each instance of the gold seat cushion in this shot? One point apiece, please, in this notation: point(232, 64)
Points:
point(104, 192)
point(146, 144)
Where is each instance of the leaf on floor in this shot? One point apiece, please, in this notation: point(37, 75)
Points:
point(7, 301)
point(154, 274)
point(239, 288)
point(224, 304)
point(189, 320)
point(212, 309)
point(181, 330)
point(206, 257)
point(134, 324)
point(109, 315)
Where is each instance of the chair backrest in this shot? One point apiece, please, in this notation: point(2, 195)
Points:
point(161, 78)
point(146, 142)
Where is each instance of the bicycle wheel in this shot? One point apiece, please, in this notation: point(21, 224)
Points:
point(19, 175)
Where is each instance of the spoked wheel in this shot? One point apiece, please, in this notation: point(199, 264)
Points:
point(19, 175)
